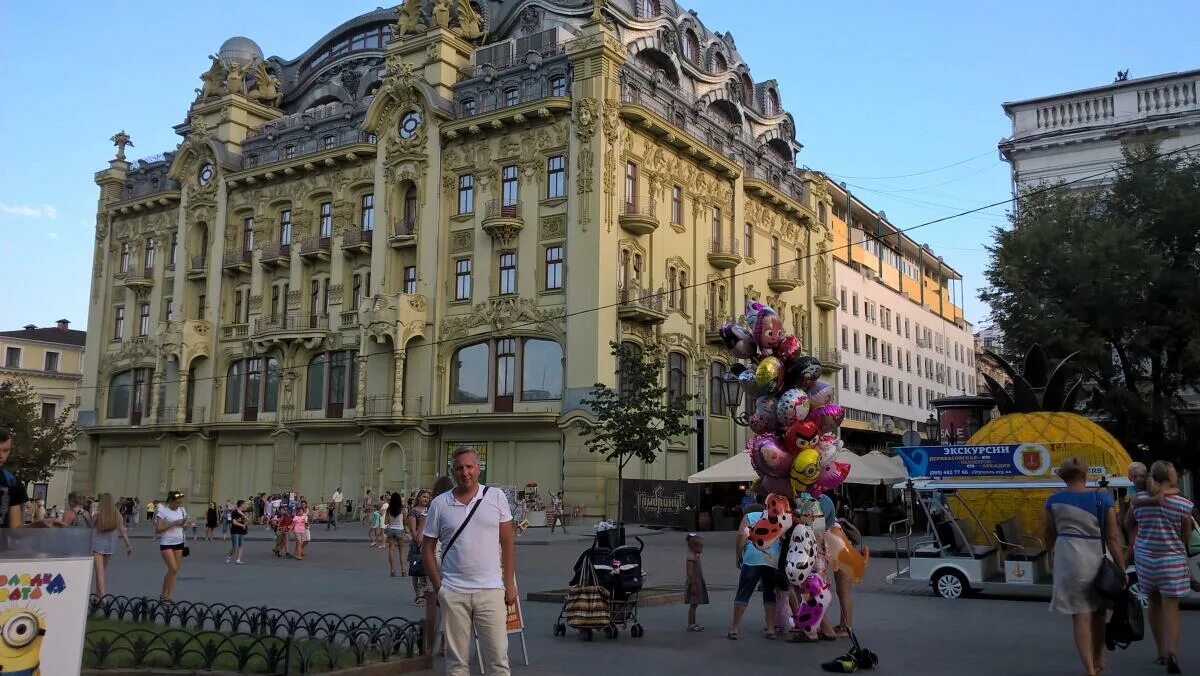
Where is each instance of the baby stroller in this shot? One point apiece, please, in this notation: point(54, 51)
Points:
point(604, 592)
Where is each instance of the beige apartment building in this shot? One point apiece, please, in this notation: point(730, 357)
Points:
point(50, 360)
point(412, 237)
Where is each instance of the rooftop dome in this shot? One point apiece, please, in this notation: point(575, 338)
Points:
point(239, 50)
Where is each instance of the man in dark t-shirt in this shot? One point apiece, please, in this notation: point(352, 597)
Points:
point(12, 489)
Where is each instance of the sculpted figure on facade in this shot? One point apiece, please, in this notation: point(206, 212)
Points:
point(470, 24)
point(441, 13)
point(409, 19)
point(237, 79)
point(266, 86)
point(120, 140)
point(213, 79)
point(585, 119)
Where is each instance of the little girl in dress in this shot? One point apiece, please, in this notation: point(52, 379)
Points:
point(695, 592)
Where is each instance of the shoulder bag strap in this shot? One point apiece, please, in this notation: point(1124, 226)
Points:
point(1103, 526)
point(454, 538)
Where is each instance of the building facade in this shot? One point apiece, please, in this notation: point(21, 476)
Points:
point(411, 238)
point(50, 360)
point(901, 335)
point(1077, 135)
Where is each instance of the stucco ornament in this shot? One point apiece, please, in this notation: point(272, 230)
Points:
point(266, 86)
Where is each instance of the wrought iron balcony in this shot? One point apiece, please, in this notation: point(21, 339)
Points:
point(357, 240)
point(784, 277)
point(723, 253)
point(276, 255)
point(712, 327)
point(639, 217)
point(283, 328)
point(404, 234)
point(503, 221)
point(315, 247)
point(830, 358)
point(641, 305)
point(238, 261)
point(139, 279)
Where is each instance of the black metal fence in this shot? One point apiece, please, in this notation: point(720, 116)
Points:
point(254, 639)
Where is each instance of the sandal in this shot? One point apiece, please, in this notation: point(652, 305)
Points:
point(732, 636)
point(419, 601)
point(695, 627)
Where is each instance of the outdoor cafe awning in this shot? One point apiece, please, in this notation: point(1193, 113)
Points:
point(734, 469)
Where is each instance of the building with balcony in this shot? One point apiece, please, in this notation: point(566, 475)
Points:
point(410, 238)
point(1076, 135)
point(902, 339)
point(50, 360)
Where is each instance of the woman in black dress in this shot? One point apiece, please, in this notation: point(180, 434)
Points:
point(210, 521)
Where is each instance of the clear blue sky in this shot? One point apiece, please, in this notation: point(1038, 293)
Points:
point(878, 89)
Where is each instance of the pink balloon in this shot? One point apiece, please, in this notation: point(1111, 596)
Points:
point(812, 609)
point(831, 476)
point(774, 461)
point(820, 393)
point(827, 417)
point(788, 348)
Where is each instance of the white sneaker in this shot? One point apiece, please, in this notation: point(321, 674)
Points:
point(226, 559)
point(238, 562)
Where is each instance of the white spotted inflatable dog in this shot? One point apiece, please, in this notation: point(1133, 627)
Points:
point(801, 554)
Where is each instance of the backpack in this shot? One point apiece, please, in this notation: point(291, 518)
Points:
point(1127, 624)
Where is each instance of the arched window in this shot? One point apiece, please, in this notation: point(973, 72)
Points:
point(129, 395)
point(690, 46)
point(332, 382)
point(512, 96)
point(676, 376)
point(647, 9)
point(119, 394)
point(772, 107)
point(468, 107)
point(821, 212)
point(469, 375)
point(316, 383)
point(716, 389)
point(747, 91)
point(251, 386)
point(541, 370)
point(719, 64)
point(624, 386)
point(410, 207)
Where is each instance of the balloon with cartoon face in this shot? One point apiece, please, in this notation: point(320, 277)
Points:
point(793, 406)
point(805, 470)
point(788, 349)
point(767, 457)
point(820, 393)
point(830, 477)
point(738, 340)
point(827, 417)
point(767, 329)
point(802, 372)
point(764, 419)
point(800, 435)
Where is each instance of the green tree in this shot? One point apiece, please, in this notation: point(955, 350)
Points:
point(39, 446)
point(638, 418)
point(1113, 273)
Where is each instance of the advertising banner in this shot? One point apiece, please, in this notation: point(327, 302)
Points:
point(43, 612)
point(1003, 461)
point(658, 503)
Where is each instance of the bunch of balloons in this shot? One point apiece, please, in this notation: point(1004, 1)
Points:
point(794, 447)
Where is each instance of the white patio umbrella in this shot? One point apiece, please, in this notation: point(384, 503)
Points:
point(734, 469)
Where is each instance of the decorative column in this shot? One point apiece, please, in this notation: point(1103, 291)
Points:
point(362, 384)
point(155, 381)
point(398, 385)
point(181, 410)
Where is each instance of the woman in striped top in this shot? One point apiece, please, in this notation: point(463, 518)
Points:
point(1163, 526)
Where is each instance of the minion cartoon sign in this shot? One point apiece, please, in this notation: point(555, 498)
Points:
point(43, 602)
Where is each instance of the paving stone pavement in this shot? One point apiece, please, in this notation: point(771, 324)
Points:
point(912, 631)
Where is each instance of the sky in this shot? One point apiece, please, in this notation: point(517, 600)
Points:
point(901, 100)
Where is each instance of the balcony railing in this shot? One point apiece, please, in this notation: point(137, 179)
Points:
point(829, 357)
point(314, 245)
point(724, 247)
point(276, 251)
point(238, 257)
point(357, 237)
point(139, 276)
point(299, 323)
point(638, 304)
point(234, 331)
point(349, 319)
point(500, 209)
point(405, 228)
point(377, 404)
point(169, 415)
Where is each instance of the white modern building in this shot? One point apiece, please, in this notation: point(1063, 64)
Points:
point(1077, 135)
point(902, 337)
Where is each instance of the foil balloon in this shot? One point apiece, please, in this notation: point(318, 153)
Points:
point(766, 327)
point(801, 554)
point(828, 446)
point(792, 407)
point(805, 470)
point(776, 519)
point(765, 416)
point(788, 348)
point(768, 458)
point(769, 372)
point(844, 557)
point(812, 609)
point(827, 417)
point(830, 477)
point(800, 435)
point(820, 393)
point(738, 340)
point(803, 371)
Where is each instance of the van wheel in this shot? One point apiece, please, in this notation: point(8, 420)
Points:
point(950, 584)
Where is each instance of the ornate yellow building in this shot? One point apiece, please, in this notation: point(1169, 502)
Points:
point(423, 232)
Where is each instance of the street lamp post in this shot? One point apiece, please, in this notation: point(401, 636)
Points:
point(732, 389)
point(932, 433)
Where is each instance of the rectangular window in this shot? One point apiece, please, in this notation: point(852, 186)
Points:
point(845, 379)
point(845, 338)
point(508, 273)
point(149, 255)
point(630, 185)
point(169, 309)
point(328, 142)
point(466, 194)
point(314, 296)
point(289, 152)
point(506, 367)
point(326, 220)
point(462, 279)
point(144, 319)
point(512, 97)
point(49, 411)
point(410, 279)
point(748, 245)
point(285, 227)
point(51, 362)
point(856, 346)
point(556, 177)
point(124, 257)
point(174, 247)
point(119, 323)
point(12, 357)
point(558, 86)
point(677, 205)
point(508, 185)
point(201, 306)
point(716, 224)
point(774, 251)
point(843, 296)
point(368, 212)
point(854, 306)
point(237, 306)
point(248, 234)
point(716, 390)
point(356, 291)
point(857, 380)
point(906, 333)
point(554, 267)
point(325, 296)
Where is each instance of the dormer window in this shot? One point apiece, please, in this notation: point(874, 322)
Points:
point(289, 152)
point(329, 142)
point(468, 107)
point(719, 64)
point(558, 86)
point(691, 46)
point(512, 97)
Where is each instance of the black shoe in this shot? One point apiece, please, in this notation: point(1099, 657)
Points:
point(1173, 665)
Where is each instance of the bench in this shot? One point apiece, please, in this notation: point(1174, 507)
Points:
point(1012, 541)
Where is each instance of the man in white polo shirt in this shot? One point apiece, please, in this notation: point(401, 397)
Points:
point(476, 580)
